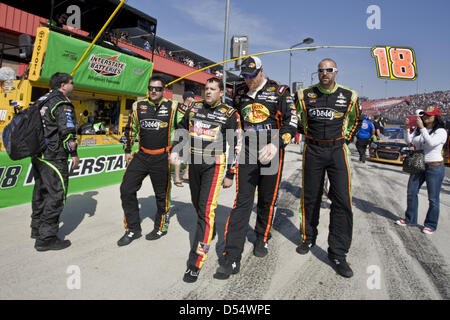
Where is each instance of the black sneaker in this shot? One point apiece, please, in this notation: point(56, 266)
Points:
point(304, 248)
point(53, 244)
point(226, 269)
point(260, 249)
point(342, 268)
point(128, 237)
point(191, 274)
point(155, 234)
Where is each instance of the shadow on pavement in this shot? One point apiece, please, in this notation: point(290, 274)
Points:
point(77, 206)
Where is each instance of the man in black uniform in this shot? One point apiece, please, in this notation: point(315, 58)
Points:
point(211, 124)
point(153, 120)
point(51, 172)
point(330, 115)
point(269, 121)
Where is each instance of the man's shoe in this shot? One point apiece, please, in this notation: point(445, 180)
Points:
point(304, 248)
point(53, 244)
point(260, 249)
point(191, 274)
point(401, 222)
point(128, 237)
point(226, 269)
point(342, 268)
point(155, 234)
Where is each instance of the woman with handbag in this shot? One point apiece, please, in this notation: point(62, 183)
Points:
point(429, 136)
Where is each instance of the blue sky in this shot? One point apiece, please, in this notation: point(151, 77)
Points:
point(424, 26)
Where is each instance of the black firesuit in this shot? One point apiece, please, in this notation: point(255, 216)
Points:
point(210, 128)
point(51, 174)
point(268, 117)
point(329, 120)
point(154, 126)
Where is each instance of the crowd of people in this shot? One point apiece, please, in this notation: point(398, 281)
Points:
point(409, 105)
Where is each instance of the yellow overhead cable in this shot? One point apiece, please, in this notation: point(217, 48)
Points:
point(263, 53)
point(97, 36)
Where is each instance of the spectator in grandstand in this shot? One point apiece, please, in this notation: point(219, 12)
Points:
point(364, 136)
point(147, 45)
point(429, 136)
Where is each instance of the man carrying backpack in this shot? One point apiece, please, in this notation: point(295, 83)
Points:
point(51, 172)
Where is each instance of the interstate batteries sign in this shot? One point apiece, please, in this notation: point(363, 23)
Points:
point(103, 69)
point(100, 166)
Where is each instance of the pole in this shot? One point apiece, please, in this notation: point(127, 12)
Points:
point(225, 50)
point(96, 37)
point(290, 69)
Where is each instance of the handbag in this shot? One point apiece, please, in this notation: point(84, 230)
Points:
point(414, 162)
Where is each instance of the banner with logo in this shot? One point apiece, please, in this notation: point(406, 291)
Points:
point(100, 166)
point(103, 69)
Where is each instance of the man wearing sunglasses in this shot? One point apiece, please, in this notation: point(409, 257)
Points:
point(153, 121)
point(330, 115)
point(269, 121)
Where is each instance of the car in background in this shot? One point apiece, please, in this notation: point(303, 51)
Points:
point(390, 148)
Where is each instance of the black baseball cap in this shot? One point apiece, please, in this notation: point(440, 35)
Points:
point(251, 66)
point(188, 94)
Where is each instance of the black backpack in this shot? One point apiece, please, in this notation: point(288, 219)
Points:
point(24, 136)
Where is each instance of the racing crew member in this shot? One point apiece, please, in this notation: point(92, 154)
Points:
point(269, 122)
point(330, 115)
point(364, 136)
point(153, 120)
point(211, 124)
point(51, 172)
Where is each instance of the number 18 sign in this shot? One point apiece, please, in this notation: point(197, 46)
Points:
point(397, 63)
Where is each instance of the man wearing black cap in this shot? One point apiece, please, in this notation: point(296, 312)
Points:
point(153, 120)
point(188, 98)
point(269, 121)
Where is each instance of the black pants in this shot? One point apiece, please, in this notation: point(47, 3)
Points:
point(334, 160)
point(140, 166)
point(248, 177)
point(205, 181)
point(51, 179)
point(361, 146)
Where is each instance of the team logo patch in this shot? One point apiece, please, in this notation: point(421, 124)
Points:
point(107, 66)
point(324, 113)
point(271, 89)
point(312, 95)
point(202, 248)
point(152, 124)
point(255, 113)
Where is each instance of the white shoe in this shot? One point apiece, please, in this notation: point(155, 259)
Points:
point(401, 223)
point(427, 230)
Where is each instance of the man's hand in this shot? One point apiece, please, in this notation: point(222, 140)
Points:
point(227, 182)
point(75, 162)
point(128, 158)
point(267, 153)
point(174, 159)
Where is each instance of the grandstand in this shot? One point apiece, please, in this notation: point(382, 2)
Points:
point(396, 109)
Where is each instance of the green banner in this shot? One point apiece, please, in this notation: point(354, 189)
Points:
point(103, 69)
point(100, 166)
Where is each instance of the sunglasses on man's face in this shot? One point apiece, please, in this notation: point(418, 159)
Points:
point(157, 89)
point(328, 70)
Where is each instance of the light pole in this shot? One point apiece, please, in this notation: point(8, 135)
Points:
point(225, 49)
point(307, 41)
